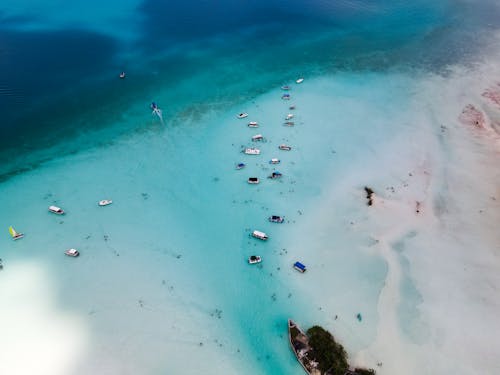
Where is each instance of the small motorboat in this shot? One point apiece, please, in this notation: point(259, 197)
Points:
point(253, 180)
point(286, 87)
point(285, 147)
point(240, 165)
point(72, 252)
point(299, 267)
point(257, 137)
point(274, 161)
point(56, 210)
point(289, 123)
point(275, 175)
point(14, 234)
point(300, 80)
point(285, 96)
point(292, 107)
point(253, 259)
point(260, 235)
point(105, 202)
point(122, 75)
point(276, 219)
point(252, 151)
point(253, 124)
point(289, 116)
point(242, 115)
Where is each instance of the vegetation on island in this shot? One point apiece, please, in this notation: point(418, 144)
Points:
point(330, 355)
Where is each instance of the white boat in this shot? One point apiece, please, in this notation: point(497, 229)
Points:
point(253, 124)
point(105, 202)
point(253, 180)
point(72, 252)
point(289, 116)
point(56, 210)
point(300, 80)
point(253, 259)
point(258, 137)
point(122, 75)
point(285, 147)
point(274, 161)
point(242, 115)
point(15, 235)
point(252, 151)
point(260, 235)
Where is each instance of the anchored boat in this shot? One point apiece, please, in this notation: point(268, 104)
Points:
point(253, 259)
point(300, 267)
point(258, 137)
point(299, 342)
point(242, 115)
point(253, 124)
point(285, 147)
point(275, 175)
point(260, 235)
point(105, 202)
point(252, 151)
point(72, 252)
point(253, 180)
point(276, 219)
point(56, 210)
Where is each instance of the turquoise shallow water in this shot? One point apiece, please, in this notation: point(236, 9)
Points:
point(163, 276)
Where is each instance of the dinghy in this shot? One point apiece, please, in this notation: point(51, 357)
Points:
point(300, 80)
point(242, 115)
point(15, 235)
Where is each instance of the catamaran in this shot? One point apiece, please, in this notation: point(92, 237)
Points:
point(15, 235)
point(156, 111)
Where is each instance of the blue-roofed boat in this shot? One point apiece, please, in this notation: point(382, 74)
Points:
point(240, 165)
point(299, 267)
point(285, 96)
point(275, 175)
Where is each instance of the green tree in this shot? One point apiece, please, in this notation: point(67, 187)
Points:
point(330, 355)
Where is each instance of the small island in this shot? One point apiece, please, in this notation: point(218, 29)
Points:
point(319, 353)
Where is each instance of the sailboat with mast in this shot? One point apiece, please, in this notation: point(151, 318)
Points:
point(15, 235)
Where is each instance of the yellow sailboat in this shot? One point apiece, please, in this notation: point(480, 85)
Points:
point(15, 235)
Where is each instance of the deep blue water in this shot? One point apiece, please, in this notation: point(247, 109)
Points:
point(52, 74)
